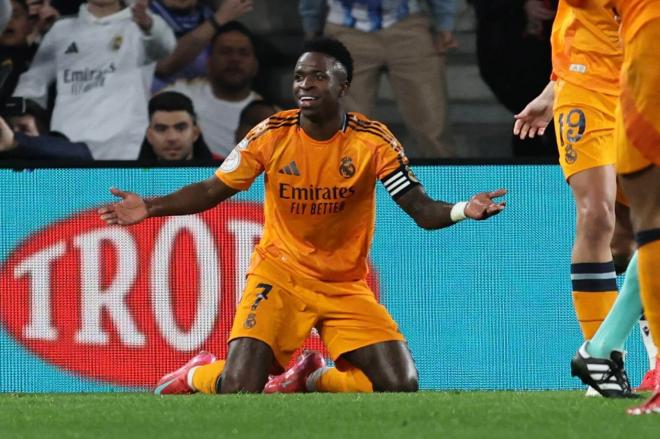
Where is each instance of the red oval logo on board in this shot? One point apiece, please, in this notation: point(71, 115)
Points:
point(126, 305)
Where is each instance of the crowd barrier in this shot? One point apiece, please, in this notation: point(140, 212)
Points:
point(86, 307)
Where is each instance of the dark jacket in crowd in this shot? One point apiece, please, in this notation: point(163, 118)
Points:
point(201, 151)
point(51, 147)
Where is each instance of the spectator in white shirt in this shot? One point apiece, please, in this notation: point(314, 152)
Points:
point(102, 61)
point(220, 98)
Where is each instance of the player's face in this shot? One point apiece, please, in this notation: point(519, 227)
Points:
point(232, 63)
point(317, 85)
point(172, 135)
point(18, 28)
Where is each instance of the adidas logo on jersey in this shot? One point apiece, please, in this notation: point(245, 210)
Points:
point(290, 169)
point(73, 48)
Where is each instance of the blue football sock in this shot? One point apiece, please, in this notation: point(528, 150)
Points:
point(623, 316)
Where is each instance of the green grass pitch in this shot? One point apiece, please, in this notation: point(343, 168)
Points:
point(479, 415)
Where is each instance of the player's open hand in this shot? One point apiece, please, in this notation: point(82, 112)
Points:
point(130, 210)
point(482, 206)
point(534, 118)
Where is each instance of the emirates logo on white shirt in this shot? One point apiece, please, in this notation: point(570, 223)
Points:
point(84, 80)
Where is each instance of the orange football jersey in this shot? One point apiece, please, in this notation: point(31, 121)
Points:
point(319, 195)
point(633, 13)
point(585, 47)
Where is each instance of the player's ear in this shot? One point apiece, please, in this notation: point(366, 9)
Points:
point(343, 90)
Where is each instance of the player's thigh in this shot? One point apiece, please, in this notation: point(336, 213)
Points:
point(270, 313)
point(584, 126)
point(643, 192)
point(350, 318)
point(638, 127)
point(595, 189)
point(629, 159)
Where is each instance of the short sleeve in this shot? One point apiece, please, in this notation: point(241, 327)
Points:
point(393, 170)
point(246, 161)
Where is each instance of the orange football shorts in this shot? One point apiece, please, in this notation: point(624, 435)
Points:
point(584, 126)
point(280, 309)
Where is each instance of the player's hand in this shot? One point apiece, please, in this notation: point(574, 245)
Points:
point(482, 206)
point(7, 138)
point(130, 210)
point(444, 41)
point(141, 15)
point(232, 9)
point(534, 118)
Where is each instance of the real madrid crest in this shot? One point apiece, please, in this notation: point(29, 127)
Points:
point(346, 167)
point(117, 42)
point(571, 154)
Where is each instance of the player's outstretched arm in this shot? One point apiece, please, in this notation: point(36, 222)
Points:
point(431, 214)
point(190, 199)
point(536, 116)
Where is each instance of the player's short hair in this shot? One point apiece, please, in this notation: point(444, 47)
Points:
point(171, 101)
point(334, 49)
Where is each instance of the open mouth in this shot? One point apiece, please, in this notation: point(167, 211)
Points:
point(306, 101)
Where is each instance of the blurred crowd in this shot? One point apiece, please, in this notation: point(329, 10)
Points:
point(177, 79)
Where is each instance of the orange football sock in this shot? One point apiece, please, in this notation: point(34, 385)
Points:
point(649, 282)
point(591, 309)
point(333, 380)
point(594, 293)
point(205, 377)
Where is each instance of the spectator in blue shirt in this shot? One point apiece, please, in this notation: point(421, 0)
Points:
point(194, 26)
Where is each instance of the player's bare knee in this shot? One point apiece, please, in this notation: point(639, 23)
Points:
point(406, 381)
point(596, 221)
point(233, 382)
point(409, 384)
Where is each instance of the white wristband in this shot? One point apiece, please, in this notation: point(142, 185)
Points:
point(458, 211)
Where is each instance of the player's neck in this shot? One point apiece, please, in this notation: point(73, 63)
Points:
point(100, 11)
point(322, 128)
